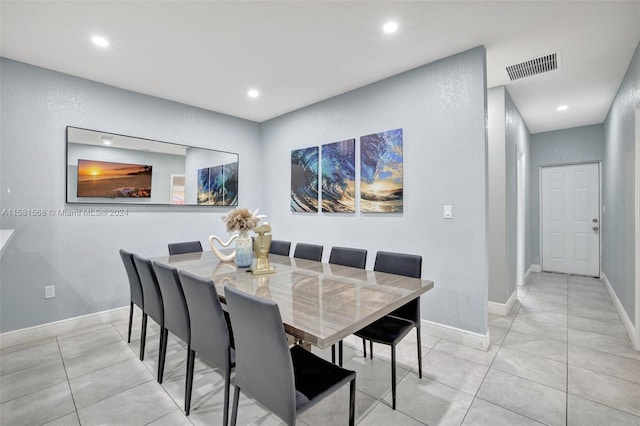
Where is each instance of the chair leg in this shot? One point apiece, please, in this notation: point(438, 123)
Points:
point(340, 352)
point(364, 347)
point(333, 354)
point(352, 402)
point(164, 336)
point(143, 335)
point(419, 353)
point(371, 349)
point(130, 321)
point(191, 355)
point(227, 385)
point(234, 411)
point(393, 375)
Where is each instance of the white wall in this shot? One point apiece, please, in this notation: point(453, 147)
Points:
point(441, 108)
point(79, 255)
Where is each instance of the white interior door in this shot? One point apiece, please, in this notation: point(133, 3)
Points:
point(571, 219)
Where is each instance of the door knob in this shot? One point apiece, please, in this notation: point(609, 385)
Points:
point(595, 228)
point(595, 220)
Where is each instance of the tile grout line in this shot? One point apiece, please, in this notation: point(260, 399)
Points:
point(68, 383)
point(517, 311)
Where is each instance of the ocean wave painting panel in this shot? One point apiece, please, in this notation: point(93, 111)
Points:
point(203, 186)
point(304, 180)
point(230, 177)
point(339, 176)
point(381, 187)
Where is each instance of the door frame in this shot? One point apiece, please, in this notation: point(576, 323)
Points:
point(637, 228)
point(599, 164)
point(520, 217)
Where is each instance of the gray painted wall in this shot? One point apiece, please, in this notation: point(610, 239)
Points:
point(441, 108)
point(518, 139)
point(568, 146)
point(618, 261)
point(507, 133)
point(79, 255)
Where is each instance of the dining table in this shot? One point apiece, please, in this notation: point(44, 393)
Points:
point(320, 303)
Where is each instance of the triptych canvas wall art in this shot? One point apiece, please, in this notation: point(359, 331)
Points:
point(381, 173)
point(218, 185)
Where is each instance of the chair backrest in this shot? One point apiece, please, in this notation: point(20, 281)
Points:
point(282, 248)
point(134, 280)
point(176, 314)
point(264, 369)
point(356, 258)
point(185, 247)
point(150, 290)
point(308, 251)
point(209, 333)
point(408, 265)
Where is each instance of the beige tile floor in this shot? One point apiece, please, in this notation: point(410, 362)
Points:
point(561, 357)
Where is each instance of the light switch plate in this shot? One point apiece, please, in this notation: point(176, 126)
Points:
point(448, 212)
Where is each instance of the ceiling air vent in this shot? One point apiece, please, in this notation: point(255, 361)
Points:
point(534, 66)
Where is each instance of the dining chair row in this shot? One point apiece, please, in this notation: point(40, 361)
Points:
point(188, 306)
point(390, 329)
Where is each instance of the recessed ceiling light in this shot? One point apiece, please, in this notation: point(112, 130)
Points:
point(563, 108)
point(390, 27)
point(100, 41)
point(253, 93)
point(106, 139)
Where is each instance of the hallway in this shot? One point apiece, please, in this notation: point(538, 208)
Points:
point(565, 342)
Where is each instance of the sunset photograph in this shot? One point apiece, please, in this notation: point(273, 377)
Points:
point(113, 180)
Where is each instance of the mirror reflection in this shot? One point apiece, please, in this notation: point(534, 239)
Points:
point(105, 167)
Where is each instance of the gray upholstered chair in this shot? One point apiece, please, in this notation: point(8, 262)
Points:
point(176, 316)
point(210, 333)
point(355, 258)
point(283, 248)
point(352, 257)
point(308, 251)
point(391, 329)
point(285, 381)
point(153, 305)
point(137, 298)
point(184, 247)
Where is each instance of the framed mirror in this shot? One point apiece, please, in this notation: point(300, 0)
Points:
point(108, 168)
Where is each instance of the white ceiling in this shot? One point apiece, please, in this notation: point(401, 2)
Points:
point(209, 53)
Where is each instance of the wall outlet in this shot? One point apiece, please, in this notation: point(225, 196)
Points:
point(50, 292)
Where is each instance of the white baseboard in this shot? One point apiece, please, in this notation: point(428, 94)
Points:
point(533, 268)
point(628, 325)
point(457, 335)
point(66, 326)
point(503, 309)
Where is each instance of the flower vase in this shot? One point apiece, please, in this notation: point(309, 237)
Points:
point(244, 250)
